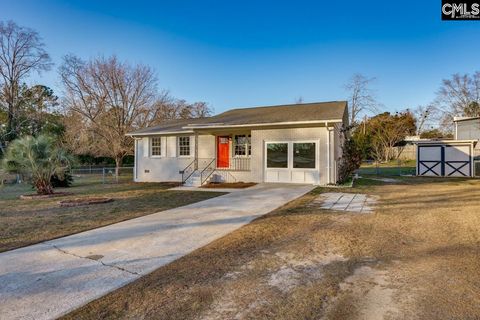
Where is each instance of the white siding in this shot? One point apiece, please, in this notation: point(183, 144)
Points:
point(167, 167)
point(164, 168)
point(206, 146)
point(171, 146)
point(146, 147)
point(164, 146)
point(468, 130)
point(258, 153)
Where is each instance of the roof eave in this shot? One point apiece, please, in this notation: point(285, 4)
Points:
point(445, 142)
point(269, 124)
point(461, 119)
point(157, 133)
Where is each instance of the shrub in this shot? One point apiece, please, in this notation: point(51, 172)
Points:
point(38, 157)
point(350, 161)
point(64, 180)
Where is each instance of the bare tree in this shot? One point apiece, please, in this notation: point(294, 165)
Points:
point(361, 98)
point(459, 96)
point(186, 110)
point(78, 137)
point(427, 117)
point(170, 109)
point(21, 53)
point(105, 99)
point(161, 110)
point(108, 98)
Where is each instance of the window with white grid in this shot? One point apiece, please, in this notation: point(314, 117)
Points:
point(242, 145)
point(156, 146)
point(183, 146)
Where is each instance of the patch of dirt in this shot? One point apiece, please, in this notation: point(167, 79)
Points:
point(232, 185)
point(294, 272)
point(248, 291)
point(94, 257)
point(366, 294)
point(84, 201)
point(44, 196)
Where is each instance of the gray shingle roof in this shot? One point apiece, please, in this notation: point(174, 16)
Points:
point(320, 111)
point(169, 126)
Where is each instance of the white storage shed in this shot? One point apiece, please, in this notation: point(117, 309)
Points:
point(447, 158)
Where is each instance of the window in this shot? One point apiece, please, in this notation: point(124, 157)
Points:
point(277, 155)
point(304, 155)
point(242, 145)
point(156, 146)
point(183, 146)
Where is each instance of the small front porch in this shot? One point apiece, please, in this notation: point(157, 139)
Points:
point(230, 158)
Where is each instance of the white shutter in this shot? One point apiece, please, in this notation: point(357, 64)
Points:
point(146, 147)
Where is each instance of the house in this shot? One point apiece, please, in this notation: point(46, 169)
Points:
point(298, 143)
point(468, 128)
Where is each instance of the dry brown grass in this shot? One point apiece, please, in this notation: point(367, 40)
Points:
point(27, 221)
point(416, 257)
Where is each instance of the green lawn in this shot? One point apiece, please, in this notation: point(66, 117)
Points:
point(24, 222)
point(391, 168)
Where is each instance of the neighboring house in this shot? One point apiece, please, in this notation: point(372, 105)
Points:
point(468, 128)
point(300, 143)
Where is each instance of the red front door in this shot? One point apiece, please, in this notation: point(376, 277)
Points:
point(223, 151)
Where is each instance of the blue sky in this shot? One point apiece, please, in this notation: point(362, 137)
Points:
point(248, 53)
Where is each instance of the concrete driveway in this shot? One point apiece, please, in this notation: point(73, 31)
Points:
point(49, 279)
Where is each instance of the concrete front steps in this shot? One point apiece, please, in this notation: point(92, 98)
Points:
point(195, 180)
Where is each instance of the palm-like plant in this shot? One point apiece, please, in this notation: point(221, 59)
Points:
point(40, 158)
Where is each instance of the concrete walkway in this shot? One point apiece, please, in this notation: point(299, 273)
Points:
point(49, 279)
point(352, 202)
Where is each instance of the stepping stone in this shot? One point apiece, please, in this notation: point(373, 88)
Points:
point(329, 200)
point(351, 202)
point(343, 202)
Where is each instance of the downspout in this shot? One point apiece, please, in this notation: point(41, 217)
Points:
point(196, 150)
point(472, 160)
point(328, 154)
point(135, 160)
point(334, 152)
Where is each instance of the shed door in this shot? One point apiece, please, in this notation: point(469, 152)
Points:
point(458, 161)
point(430, 160)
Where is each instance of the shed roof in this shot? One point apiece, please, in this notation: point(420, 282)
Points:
point(445, 142)
point(460, 119)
